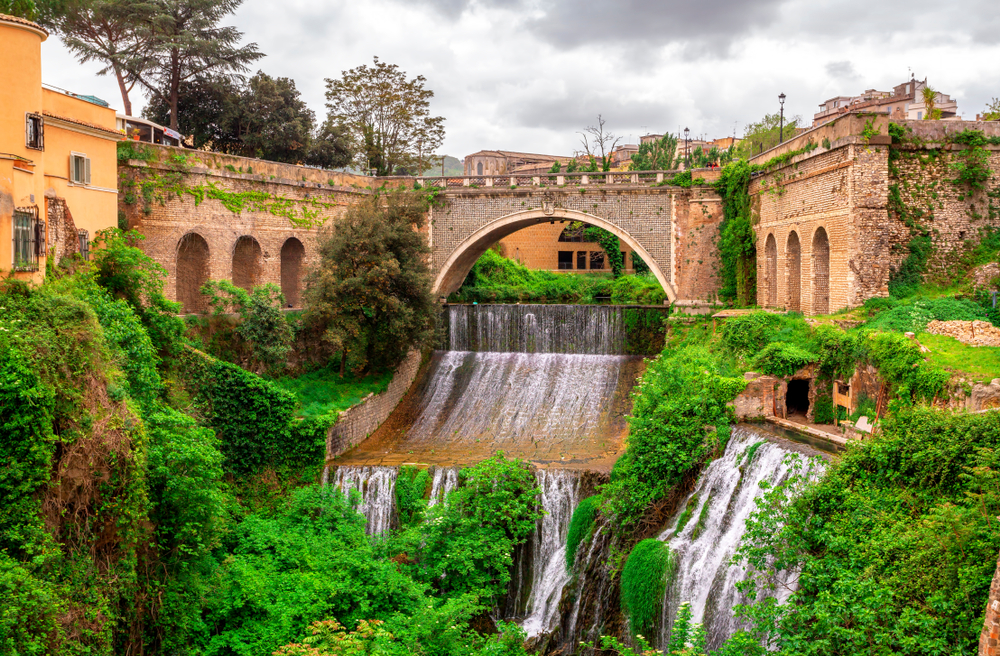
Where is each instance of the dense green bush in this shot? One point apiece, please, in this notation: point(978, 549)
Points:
point(411, 484)
point(899, 360)
point(468, 543)
point(896, 543)
point(782, 359)
point(747, 334)
point(680, 415)
point(262, 322)
point(644, 577)
point(579, 526)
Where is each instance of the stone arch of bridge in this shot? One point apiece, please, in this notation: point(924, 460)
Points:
point(460, 261)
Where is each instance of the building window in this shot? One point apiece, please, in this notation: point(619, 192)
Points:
point(596, 259)
point(581, 259)
point(79, 168)
point(34, 131)
point(84, 237)
point(479, 168)
point(565, 259)
point(920, 116)
point(29, 239)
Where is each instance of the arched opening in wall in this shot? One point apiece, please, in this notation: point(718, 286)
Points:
point(192, 272)
point(292, 254)
point(771, 271)
point(544, 243)
point(479, 168)
point(793, 262)
point(248, 263)
point(821, 272)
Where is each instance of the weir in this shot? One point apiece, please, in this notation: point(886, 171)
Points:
point(552, 384)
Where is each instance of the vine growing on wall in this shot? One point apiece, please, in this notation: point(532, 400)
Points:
point(737, 240)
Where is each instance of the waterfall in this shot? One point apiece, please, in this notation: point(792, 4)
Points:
point(378, 493)
point(560, 495)
point(445, 480)
point(715, 514)
point(591, 329)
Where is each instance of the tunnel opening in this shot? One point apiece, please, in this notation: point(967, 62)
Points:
point(797, 397)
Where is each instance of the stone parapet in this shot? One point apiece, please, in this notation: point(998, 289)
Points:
point(362, 419)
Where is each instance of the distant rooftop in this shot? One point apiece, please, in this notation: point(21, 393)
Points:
point(87, 98)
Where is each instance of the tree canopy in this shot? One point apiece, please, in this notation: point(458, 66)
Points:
point(387, 116)
point(370, 295)
point(765, 134)
point(656, 155)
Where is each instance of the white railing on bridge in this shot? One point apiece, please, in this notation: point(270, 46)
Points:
point(511, 181)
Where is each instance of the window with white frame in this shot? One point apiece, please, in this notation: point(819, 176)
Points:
point(34, 131)
point(79, 168)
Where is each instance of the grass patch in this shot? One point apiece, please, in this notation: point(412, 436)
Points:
point(323, 391)
point(981, 363)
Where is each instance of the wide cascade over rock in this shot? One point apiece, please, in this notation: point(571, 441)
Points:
point(577, 329)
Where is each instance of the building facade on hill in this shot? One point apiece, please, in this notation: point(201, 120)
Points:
point(58, 160)
point(506, 162)
point(904, 102)
point(836, 221)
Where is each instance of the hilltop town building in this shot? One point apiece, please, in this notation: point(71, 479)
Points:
point(505, 162)
point(904, 102)
point(58, 160)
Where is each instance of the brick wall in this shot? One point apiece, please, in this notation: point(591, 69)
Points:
point(538, 246)
point(360, 421)
point(843, 188)
point(197, 241)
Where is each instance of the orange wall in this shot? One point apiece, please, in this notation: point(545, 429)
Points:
point(26, 184)
point(538, 246)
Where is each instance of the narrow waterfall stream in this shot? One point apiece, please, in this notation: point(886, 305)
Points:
point(715, 514)
point(377, 486)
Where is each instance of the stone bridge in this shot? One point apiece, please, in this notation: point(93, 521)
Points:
point(209, 216)
point(674, 229)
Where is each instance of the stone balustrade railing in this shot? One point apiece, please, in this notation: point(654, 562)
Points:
point(633, 178)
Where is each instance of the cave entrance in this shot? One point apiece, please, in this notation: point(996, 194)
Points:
point(797, 397)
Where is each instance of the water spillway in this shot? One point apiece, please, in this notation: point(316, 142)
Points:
point(549, 384)
point(708, 528)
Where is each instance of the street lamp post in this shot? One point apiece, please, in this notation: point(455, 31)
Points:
point(781, 121)
point(687, 148)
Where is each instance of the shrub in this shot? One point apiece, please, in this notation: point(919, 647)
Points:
point(263, 325)
point(643, 581)
point(914, 316)
point(579, 526)
point(411, 483)
point(748, 333)
point(782, 360)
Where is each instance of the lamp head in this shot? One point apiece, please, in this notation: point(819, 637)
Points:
point(782, 98)
point(686, 132)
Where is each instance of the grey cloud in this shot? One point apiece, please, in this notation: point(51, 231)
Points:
point(841, 70)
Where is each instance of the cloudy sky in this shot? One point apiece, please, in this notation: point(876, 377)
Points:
point(529, 74)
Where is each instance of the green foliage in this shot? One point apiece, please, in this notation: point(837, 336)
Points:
point(823, 412)
point(370, 294)
point(972, 165)
point(749, 333)
point(129, 274)
point(992, 111)
point(497, 279)
point(900, 361)
point(468, 543)
point(411, 484)
point(252, 416)
point(263, 325)
point(644, 578)
point(896, 543)
point(324, 392)
point(679, 416)
point(687, 638)
point(656, 155)
point(21, 8)
point(782, 359)
point(764, 134)
point(32, 607)
point(611, 246)
point(579, 526)
point(309, 560)
point(737, 240)
point(914, 315)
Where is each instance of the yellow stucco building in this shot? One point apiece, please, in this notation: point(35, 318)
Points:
point(58, 160)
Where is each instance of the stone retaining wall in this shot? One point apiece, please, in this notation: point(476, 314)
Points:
point(973, 333)
point(989, 639)
point(359, 421)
